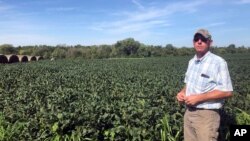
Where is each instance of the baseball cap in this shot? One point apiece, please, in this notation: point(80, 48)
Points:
point(204, 33)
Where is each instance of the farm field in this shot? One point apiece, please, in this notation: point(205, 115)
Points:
point(107, 99)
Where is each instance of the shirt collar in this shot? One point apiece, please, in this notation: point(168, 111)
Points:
point(197, 60)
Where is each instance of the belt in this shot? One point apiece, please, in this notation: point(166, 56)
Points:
point(190, 108)
point(195, 109)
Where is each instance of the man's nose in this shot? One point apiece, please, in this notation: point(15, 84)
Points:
point(199, 41)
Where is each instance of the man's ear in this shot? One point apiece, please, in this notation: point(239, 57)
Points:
point(210, 42)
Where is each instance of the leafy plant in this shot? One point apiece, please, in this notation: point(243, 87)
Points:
point(167, 132)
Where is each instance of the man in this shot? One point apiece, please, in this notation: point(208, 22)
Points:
point(207, 84)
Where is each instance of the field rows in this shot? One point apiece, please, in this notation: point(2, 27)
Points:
point(109, 99)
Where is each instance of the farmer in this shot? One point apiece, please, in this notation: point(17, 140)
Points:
point(207, 84)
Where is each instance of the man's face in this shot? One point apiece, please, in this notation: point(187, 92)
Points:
point(201, 44)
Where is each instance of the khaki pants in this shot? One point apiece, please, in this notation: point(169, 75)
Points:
point(201, 125)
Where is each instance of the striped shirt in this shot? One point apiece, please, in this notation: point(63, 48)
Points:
point(207, 74)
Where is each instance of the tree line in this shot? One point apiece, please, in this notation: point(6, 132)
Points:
point(124, 48)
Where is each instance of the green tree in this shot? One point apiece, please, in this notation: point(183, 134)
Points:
point(144, 51)
point(104, 51)
point(74, 52)
point(7, 49)
point(170, 49)
point(26, 50)
point(59, 53)
point(231, 48)
point(185, 51)
point(44, 51)
point(128, 46)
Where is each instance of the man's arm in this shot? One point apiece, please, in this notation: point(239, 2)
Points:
point(208, 96)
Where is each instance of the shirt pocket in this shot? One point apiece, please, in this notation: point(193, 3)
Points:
point(207, 81)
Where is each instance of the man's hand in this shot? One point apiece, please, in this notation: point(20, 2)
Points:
point(195, 99)
point(192, 100)
point(181, 97)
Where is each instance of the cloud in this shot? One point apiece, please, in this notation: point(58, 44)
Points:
point(119, 27)
point(62, 9)
point(243, 2)
point(139, 5)
point(215, 24)
point(150, 17)
point(11, 26)
point(25, 39)
point(4, 8)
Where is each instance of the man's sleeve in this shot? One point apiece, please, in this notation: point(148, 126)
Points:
point(186, 74)
point(223, 78)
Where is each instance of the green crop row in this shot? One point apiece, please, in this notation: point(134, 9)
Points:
point(108, 99)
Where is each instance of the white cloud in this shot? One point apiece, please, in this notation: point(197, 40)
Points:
point(61, 9)
point(215, 24)
point(20, 26)
point(4, 8)
point(119, 27)
point(25, 39)
point(151, 17)
point(243, 2)
point(139, 5)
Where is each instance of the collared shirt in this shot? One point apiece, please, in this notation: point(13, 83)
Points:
point(207, 74)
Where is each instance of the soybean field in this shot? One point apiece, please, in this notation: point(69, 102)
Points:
point(107, 99)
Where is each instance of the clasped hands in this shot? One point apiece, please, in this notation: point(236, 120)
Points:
point(188, 100)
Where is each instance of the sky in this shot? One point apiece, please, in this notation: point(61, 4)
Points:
point(98, 22)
